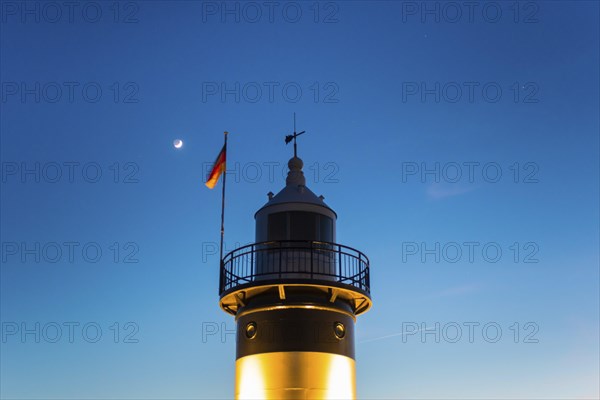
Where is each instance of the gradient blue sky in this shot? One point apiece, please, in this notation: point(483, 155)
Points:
point(366, 56)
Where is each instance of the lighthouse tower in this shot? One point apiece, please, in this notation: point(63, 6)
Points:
point(295, 294)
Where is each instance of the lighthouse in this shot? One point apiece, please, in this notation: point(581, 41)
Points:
point(295, 294)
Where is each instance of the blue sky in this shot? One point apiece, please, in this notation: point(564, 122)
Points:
point(385, 91)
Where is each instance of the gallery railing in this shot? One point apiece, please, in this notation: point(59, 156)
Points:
point(294, 260)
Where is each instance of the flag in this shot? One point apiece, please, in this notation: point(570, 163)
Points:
point(217, 169)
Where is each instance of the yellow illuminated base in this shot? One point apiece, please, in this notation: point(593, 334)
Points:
point(295, 376)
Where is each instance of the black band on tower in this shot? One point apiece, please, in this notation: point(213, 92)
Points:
point(295, 329)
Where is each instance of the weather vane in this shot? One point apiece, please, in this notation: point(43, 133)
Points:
point(293, 137)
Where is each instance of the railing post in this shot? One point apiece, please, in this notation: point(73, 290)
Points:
point(220, 276)
point(339, 251)
point(252, 255)
point(280, 260)
point(359, 267)
point(311, 259)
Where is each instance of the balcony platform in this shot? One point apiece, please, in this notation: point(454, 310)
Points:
point(281, 270)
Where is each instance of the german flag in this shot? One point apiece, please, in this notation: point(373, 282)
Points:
point(217, 169)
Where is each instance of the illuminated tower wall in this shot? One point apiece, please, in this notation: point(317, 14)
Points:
point(295, 295)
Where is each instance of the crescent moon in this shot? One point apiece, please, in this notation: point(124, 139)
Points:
point(178, 143)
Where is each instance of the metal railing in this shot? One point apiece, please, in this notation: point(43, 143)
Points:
point(299, 260)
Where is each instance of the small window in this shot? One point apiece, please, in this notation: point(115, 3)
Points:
point(325, 229)
point(303, 225)
point(277, 227)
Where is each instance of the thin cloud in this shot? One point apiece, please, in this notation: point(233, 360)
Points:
point(439, 191)
point(394, 335)
point(451, 291)
point(458, 290)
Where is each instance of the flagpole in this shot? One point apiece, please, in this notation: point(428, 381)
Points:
point(223, 204)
